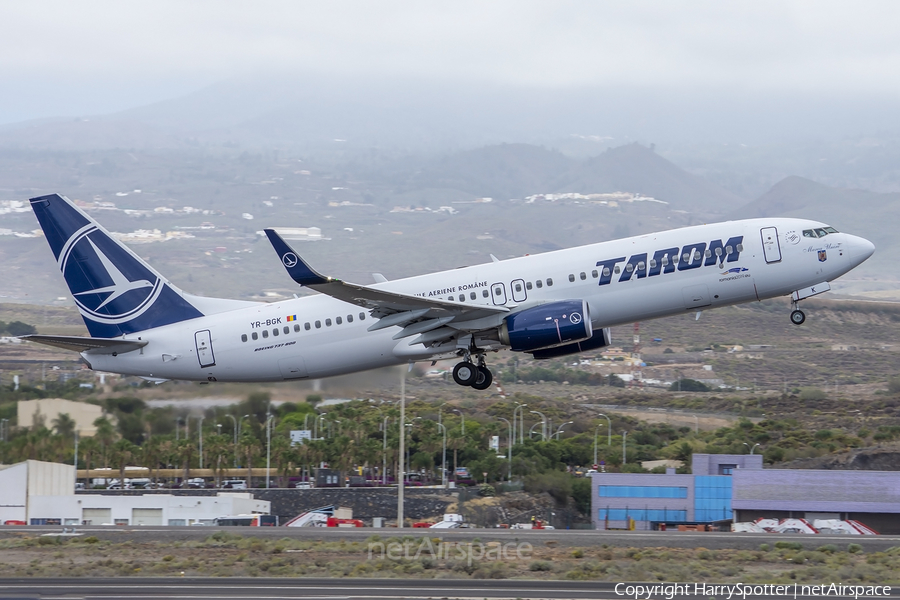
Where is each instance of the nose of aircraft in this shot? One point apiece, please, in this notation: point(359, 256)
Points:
point(860, 249)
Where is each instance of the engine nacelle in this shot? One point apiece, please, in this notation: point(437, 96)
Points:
point(600, 339)
point(547, 326)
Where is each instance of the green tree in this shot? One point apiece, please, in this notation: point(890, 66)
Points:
point(64, 425)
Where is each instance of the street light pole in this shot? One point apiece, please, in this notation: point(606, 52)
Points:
point(384, 453)
point(751, 448)
point(522, 428)
point(443, 456)
point(234, 431)
point(543, 424)
point(402, 473)
point(509, 443)
point(624, 457)
point(608, 431)
point(268, 447)
point(559, 430)
point(597, 428)
point(200, 431)
point(463, 421)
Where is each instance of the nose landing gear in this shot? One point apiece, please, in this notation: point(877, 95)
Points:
point(477, 377)
point(797, 315)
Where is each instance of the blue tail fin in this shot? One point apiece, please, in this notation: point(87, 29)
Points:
point(116, 292)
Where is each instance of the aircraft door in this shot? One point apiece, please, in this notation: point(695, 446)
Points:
point(771, 247)
point(498, 294)
point(517, 287)
point(203, 341)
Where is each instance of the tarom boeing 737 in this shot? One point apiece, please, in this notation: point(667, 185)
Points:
point(547, 305)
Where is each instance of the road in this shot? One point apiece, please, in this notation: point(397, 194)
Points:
point(561, 537)
point(380, 589)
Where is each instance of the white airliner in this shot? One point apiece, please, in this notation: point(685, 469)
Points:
point(547, 305)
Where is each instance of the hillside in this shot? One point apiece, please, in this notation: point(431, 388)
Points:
point(637, 168)
point(868, 214)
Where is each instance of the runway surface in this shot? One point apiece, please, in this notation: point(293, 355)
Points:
point(358, 589)
point(561, 537)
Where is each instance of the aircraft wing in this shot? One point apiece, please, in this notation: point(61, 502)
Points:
point(414, 313)
point(79, 343)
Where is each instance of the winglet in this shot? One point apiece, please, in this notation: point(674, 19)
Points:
point(296, 268)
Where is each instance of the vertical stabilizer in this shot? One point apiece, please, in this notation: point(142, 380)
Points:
point(116, 292)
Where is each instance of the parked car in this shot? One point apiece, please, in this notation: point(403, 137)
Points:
point(303, 485)
point(196, 482)
point(234, 484)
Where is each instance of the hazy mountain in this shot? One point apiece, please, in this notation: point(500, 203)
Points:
point(636, 168)
point(871, 215)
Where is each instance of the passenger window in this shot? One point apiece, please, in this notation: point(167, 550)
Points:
point(254, 335)
point(629, 268)
point(571, 278)
point(740, 247)
point(606, 271)
point(583, 276)
point(652, 263)
point(244, 337)
point(349, 318)
point(327, 322)
point(462, 297)
point(718, 252)
point(616, 270)
point(306, 326)
point(549, 282)
point(685, 257)
point(275, 332)
point(318, 324)
point(518, 287)
point(539, 283)
point(473, 296)
point(362, 316)
point(287, 330)
point(707, 254)
point(297, 327)
point(265, 333)
point(484, 293)
point(594, 274)
point(528, 285)
point(640, 266)
point(338, 320)
point(729, 250)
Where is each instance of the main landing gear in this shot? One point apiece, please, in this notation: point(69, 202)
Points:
point(478, 377)
point(797, 315)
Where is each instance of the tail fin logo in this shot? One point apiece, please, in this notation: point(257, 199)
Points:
point(107, 283)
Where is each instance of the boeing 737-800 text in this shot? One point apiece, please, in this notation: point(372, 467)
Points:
point(547, 305)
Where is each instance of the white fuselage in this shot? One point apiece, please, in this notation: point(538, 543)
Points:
point(211, 348)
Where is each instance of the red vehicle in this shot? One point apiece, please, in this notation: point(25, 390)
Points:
point(332, 522)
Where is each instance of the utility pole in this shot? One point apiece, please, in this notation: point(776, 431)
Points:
point(402, 472)
point(624, 456)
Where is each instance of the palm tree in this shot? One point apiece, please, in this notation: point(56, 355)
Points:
point(105, 436)
point(250, 448)
point(122, 453)
point(64, 425)
point(284, 456)
point(89, 449)
point(219, 450)
point(184, 450)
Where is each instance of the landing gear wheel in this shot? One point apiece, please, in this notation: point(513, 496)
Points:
point(798, 317)
point(465, 373)
point(484, 380)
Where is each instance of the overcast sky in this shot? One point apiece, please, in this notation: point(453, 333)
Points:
point(75, 58)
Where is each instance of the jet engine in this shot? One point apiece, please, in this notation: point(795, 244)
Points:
point(547, 326)
point(600, 339)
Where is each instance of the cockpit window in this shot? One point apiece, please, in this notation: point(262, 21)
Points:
point(819, 232)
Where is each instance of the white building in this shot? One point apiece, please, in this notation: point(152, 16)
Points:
point(41, 493)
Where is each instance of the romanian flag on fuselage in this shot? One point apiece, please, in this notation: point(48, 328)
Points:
point(291, 318)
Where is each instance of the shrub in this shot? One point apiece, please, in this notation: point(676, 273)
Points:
point(540, 565)
point(577, 553)
point(486, 489)
point(854, 548)
point(789, 545)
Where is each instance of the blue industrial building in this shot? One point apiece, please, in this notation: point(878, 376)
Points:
point(726, 487)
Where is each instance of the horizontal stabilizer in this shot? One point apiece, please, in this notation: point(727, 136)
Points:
point(79, 343)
